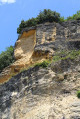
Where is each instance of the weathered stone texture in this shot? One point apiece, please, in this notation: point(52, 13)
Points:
point(65, 35)
point(45, 33)
point(41, 94)
point(38, 43)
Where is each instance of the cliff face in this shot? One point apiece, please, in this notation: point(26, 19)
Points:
point(39, 93)
point(42, 93)
point(39, 43)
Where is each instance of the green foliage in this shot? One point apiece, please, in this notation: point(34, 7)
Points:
point(28, 23)
point(6, 58)
point(56, 58)
point(48, 16)
point(75, 16)
point(44, 16)
point(78, 94)
point(63, 55)
point(43, 64)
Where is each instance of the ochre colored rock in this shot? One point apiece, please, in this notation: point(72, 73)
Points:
point(39, 43)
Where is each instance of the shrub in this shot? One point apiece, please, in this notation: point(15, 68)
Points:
point(6, 57)
point(48, 16)
point(56, 58)
point(78, 94)
point(43, 64)
point(44, 16)
point(63, 55)
point(28, 23)
point(74, 16)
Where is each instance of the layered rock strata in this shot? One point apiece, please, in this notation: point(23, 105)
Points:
point(38, 43)
point(40, 93)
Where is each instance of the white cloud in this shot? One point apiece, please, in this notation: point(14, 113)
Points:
point(7, 1)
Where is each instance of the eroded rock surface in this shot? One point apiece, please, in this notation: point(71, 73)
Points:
point(38, 43)
point(40, 93)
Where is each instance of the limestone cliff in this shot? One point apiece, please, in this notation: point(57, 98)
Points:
point(39, 93)
point(38, 43)
point(43, 93)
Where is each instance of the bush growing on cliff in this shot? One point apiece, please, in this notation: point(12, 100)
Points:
point(63, 55)
point(48, 16)
point(43, 64)
point(44, 16)
point(6, 58)
point(28, 23)
point(74, 16)
point(78, 94)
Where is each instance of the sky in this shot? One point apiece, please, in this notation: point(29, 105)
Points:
point(13, 11)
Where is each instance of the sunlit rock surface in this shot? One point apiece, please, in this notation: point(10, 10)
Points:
point(42, 93)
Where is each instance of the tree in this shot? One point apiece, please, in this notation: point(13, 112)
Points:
point(6, 57)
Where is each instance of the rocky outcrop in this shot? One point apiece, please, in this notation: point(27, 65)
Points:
point(39, 93)
point(42, 93)
point(36, 44)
